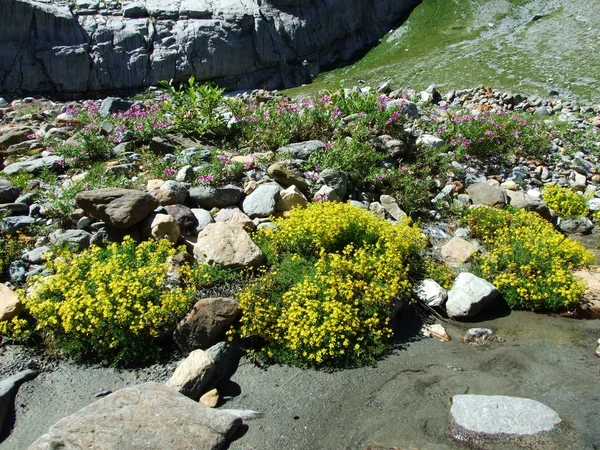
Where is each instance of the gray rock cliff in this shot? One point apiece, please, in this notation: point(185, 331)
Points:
point(91, 46)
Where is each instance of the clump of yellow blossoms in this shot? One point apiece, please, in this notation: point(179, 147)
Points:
point(338, 274)
point(564, 201)
point(110, 303)
point(529, 262)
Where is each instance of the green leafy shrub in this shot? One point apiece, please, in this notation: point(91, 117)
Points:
point(10, 250)
point(111, 303)
point(529, 262)
point(338, 273)
point(564, 201)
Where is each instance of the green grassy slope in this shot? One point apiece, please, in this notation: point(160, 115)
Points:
point(464, 43)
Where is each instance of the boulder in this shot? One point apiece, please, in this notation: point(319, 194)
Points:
point(430, 292)
point(193, 374)
point(34, 166)
point(10, 304)
point(119, 208)
point(327, 194)
point(484, 194)
point(263, 201)
point(581, 225)
point(149, 416)
point(290, 198)
point(9, 191)
point(469, 295)
point(522, 200)
point(227, 245)
point(205, 323)
point(337, 180)
point(186, 219)
point(75, 240)
point(286, 176)
point(36, 256)
point(203, 217)
point(458, 250)
point(481, 416)
point(14, 136)
point(209, 197)
point(10, 225)
point(226, 357)
point(161, 226)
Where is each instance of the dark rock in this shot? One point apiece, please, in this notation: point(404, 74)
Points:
point(8, 390)
point(9, 191)
point(209, 197)
point(185, 218)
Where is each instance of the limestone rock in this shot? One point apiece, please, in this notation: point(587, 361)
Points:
point(458, 250)
point(10, 304)
point(227, 245)
point(148, 416)
point(469, 295)
point(193, 374)
point(208, 319)
point(120, 208)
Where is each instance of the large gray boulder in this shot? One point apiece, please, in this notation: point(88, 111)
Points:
point(34, 166)
point(148, 416)
point(240, 44)
point(119, 208)
point(484, 194)
point(209, 197)
point(469, 295)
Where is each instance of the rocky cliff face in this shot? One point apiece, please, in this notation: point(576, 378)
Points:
point(93, 46)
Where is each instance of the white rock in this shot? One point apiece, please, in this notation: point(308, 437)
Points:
point(469, 295)
point(430, 292)
point(228, 245)
point(193, 374)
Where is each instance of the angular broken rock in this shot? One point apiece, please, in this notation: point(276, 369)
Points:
point(228, 245)
point(469, 295)
point(193, 374)
point(10, 304)
point(119, 208)
point(208, 319)
point(149, 416)
point(492, 415)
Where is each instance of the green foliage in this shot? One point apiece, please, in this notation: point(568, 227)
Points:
point(195, 109)
point(111, 303)
point(10, 250)
point(564, 201)
point(92, 147)
point(529, 262)
point(338, 272)
point(21, 178)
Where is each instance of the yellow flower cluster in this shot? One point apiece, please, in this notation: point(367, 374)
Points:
point(564, 201)
point(531, 263)
point(337, 312)
point(109, 302)
point(17, 329)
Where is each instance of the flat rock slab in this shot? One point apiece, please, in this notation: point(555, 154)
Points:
point(148, 416)
point(492, 415)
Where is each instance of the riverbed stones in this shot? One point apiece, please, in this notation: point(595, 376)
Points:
point(10, 303)
point(263, 201)
point(9, 191)
point(193, 374)
point(484, 194)
point(119, 208)
point(430, 292)
point(227, 245)
point(469, 296)
point(149, 416)
point(458, 250)
point(492, 415)
point(205, 323)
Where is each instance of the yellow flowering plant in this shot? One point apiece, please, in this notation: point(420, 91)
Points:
point(111, 303)
point(338, 273)
point(564, 201)
point(529, 262)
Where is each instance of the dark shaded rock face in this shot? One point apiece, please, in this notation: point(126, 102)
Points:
point(48, 47)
